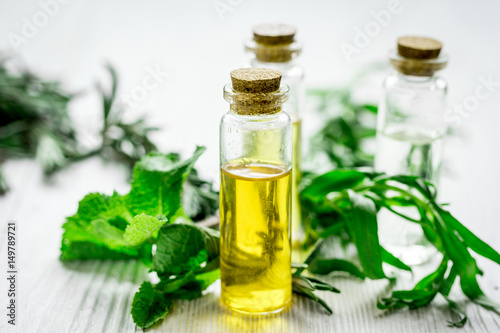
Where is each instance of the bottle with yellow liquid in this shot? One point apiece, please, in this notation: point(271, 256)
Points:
point(274, 46)
point(255, 194)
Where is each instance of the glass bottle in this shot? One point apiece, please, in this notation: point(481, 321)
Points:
point(274, 46)
point(410, 133)
point(255, 194)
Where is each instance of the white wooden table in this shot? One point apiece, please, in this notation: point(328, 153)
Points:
point(198, 49)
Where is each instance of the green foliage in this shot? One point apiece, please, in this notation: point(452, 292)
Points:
point(187, 262)
point(105, 224)
point(149, 306)
point(348, 126)
point(34, 121)
point(344, 204)
point(154, 179)
point(184, 247)
point(142, 228)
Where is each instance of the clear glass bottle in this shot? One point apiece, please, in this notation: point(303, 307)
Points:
point(274, 46)
point(255, 194)
point(410, 133)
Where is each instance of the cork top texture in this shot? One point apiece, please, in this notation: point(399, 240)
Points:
point(274, 33)
point(256, 80)
point(419, 47)
point(274, 42)
point(418, 56)
point(256, 91)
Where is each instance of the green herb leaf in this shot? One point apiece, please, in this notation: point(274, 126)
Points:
point(157, 184)
point(390, 259)
point(149, 306)
point(326, 266)
point(471, 240)
point(142, 228)
point(108, 208)
point(363, 228)
point(333, 181)
point(184, 247)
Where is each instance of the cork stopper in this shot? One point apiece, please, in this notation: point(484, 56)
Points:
point(419, 47)
point(274, 42)
point(256, 80)
point(418, 56)
point(256, 91)
point(274, 33)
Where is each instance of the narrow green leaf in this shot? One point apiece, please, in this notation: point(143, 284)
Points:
point(364, 231)
point(390, 259)
point(455, 307)
point(309, 294)
point(326, 266)
point(471, 240)
point(333, 181)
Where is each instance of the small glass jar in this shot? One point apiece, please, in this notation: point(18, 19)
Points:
point(274, 46)
point(410, 133)
point(255, 194)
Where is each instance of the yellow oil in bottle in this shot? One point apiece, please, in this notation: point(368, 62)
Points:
point(296, 175)
point(255, 237)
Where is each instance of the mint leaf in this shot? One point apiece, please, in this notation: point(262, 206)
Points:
point(142, 228)
point(181, 248)
point(199, 200)
point(149, 306)
point(157, 184)
point(99, 227)
point(100, 206)
point(80, 244)
point(206, 279)
point(152, 303)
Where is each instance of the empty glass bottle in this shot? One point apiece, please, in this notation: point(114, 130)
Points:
point(255, 194)
point(410, 133)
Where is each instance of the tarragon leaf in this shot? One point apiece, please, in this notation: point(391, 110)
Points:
point(326, 266)
point(333, 181)
point(363, 228)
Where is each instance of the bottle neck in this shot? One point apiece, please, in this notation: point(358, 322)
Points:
point(281, 66)
point(273, 54)
point(416, 79)
point(250, 116)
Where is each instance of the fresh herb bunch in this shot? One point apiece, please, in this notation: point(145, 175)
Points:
point(121, 140)
point(348, 126)
point(344, 204)
point(186, 259)
point(34, 121)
